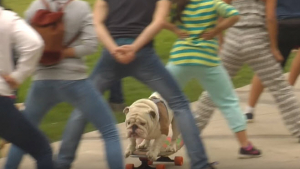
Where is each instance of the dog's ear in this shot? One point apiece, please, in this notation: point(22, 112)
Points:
point(153, 115)
point(126, 110)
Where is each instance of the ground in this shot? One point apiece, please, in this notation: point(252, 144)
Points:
point(53, 124)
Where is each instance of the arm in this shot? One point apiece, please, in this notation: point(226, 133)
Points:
point(100, 14)
point(226, 23)
point(159, 18)
point(221, 35)
point(271, 21)
point(228, 17)
point(88, 37)
point(29, 46)
point(169, 26)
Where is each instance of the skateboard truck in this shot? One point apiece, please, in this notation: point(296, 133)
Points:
point(146, 163)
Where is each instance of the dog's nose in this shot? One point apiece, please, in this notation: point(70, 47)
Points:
point(134, 127)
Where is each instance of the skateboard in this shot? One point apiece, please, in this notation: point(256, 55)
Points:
point(163, 157)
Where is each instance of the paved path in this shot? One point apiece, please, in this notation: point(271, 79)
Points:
point(281, 151)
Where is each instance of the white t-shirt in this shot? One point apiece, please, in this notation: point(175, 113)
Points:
point(16, 34)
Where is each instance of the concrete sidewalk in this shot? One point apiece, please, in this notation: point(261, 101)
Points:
point(280, 150)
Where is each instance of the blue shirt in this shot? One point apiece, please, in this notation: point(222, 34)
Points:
point(287, 9)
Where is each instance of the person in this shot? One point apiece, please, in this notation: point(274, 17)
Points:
point(288, 16)
point(14, 127)
point(116, 99)
point(195, 55)
point(127, 28)
point(67, 82)
point(251, 41)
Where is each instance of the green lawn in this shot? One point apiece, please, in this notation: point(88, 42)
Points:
point(54, 123)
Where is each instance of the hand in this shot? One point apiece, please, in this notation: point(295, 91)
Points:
point(181, 34)
point(10, 81)
point(68, 53)
point(209, 34)
point(277, 55)
point(125, 54)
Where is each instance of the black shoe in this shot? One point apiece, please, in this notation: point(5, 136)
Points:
point(249, 152)
point(211, 165)
point(250, 117)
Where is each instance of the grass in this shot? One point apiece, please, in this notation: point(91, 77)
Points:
point(55, 121)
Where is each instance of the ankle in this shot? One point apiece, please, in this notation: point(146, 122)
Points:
point(248, 146)
point(249, 109)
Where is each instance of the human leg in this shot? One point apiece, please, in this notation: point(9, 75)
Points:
point(151, 71)
point(232, 63)
point(295, 69)
point(260, 59)
point(116, 99)
point(285, 44)
point(103, 76)
point(83, 95)
point(14, 127)
point(40, 99)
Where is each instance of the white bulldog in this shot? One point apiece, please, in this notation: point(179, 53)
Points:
point(150, 119)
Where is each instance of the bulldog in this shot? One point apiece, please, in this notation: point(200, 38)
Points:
point(150, 119)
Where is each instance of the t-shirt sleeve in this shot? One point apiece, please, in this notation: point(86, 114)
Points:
point(225, 10)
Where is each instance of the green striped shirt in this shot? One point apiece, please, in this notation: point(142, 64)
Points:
point(200, 16)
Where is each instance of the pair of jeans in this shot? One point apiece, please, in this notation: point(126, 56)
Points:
point(116, 93)
point(15, 128)
point(148, 69)
point(45, 94)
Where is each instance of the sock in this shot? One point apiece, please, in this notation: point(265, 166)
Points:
point(249, 109)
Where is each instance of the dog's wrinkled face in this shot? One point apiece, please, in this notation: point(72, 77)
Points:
point(140, 119)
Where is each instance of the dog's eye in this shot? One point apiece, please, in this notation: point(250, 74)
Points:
point(143, 124)
point(128, 123)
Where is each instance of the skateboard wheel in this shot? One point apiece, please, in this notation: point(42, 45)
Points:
point(129, 166)
point(150, 162)
point(160, 166)
point(178, 160)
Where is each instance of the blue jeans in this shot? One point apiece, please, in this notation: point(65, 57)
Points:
point(116, 93)
point(148, 69)
point(15, 128)
point(81, 94)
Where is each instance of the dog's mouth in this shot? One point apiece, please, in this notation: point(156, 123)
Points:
point(135, 135)
point(135, 132)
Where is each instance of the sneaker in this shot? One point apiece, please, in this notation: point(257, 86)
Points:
point(250, 117)
point(249, 152)
point(211, 165)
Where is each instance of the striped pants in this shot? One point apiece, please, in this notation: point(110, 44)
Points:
point(252, 47)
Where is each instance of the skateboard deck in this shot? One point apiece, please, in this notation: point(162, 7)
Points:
point(163, 157)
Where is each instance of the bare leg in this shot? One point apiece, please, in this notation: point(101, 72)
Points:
point(295, 69)
point(256, 89)
point(242, 138)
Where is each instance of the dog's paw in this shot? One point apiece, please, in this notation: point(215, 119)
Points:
point(152, 155)
point(171, 148)
point(142, 146)
point(129, 151)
